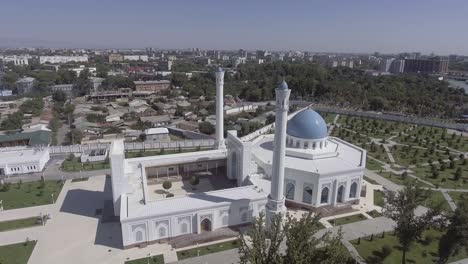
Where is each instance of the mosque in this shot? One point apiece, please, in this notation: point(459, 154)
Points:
point(298, 166)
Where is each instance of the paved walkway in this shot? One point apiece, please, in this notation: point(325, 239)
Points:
point(387, 184)
point(449, 199)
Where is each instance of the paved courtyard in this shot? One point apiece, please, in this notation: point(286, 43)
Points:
point(208, 182)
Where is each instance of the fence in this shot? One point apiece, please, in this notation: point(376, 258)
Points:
point(405, 119)
point(133, 146)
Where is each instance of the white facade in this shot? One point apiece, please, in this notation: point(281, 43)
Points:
point(269, 169)
point(20, 161)
point(62, 59)
point(136, 57)
point(17, 60)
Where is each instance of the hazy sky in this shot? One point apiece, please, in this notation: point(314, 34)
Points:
point(316, 25)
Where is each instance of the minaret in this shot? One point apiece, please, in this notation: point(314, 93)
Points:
point(275, 203)
point(220, 108)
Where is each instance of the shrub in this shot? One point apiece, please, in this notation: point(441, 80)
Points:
point(386, 251)
point(167, 185)
point(169, 195)
point(194, 180)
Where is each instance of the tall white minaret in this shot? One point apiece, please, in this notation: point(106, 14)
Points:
point(220, 108)
point(275, 203)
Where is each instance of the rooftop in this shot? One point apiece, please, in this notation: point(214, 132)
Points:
point(21, 156)
point(35, 138)
point(346, 157)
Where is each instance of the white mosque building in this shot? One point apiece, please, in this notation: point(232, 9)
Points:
point(300, 166)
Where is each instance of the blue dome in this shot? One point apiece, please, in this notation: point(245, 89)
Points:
point(283, 86)
point(307, 124)
point(219, 69)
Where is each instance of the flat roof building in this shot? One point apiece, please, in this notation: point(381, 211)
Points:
point(152, 86)
point(432, 65)
point(20, 161)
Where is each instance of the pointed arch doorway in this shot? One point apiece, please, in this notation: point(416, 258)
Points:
point(205, 225)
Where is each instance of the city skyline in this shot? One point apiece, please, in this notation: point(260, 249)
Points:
point(335, 26)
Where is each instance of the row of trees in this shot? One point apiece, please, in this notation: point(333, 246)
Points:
point(409, 93)
point(294, 240)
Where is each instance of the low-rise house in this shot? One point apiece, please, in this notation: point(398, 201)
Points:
point(66, 88)
point(25, 85)
point(158, 133)
point(36, 138)
point(5, 92)
point(157, 121)
point(94, 155)
point(19, 161)
point(152, 86)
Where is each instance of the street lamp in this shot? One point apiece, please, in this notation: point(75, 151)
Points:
point(149, 255)
point(53, 201)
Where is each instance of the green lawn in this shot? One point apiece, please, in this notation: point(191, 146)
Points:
point(446, 177)
point(190, 253)
point(425, 251)
point(371, 164)
point(398, 179)
point(374, 213)
point(19, 223)
point(75, 165)
point(457, 197)
point(434, 198)
point(16, 253)
point(159, 259)
point(347, 219)
point(378, 198)
point(30, 194)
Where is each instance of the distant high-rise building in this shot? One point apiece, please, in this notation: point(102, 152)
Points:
point(432, 65)
point(385, 64)
point(397, 66)
point(452, 57)
point(261, 54)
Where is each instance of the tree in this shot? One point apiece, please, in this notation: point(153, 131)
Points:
point(59, 96)
point(206, 128)
point(167, 185)
point(194, 181)
point(400, 207)
point(458, 174)
point(456, 235)
point(303, 245)
point(83, 85)
point(68, 111)
point(75, 136)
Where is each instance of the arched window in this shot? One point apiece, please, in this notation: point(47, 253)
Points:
point(162, 232)
point(290, 189)
point(138, 236)
point(184, 228)
point(324, 196)
point(307, 195)
point(353, 190)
